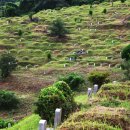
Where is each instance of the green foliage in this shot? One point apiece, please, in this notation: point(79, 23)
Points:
point(20, 32)
point(98, 77)
point(11, 10)
point(90, 12)
point(64, 88)
point(126, 53)
point(8, 100)
point(7, 65)
point(74, 80)
point(58, 28)
point(123, 1)
point(49, 55)
point(126, 67)
point(104, 11)
point(4, 123)
point(49, 99)
point(110, 103)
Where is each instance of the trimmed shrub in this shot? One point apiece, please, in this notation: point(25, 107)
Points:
point(74, 80)
point(8, 100)
point(123, 1)
point(7, 64)
point(67, 92)
point(90, 12)
point(126, 53)
point(49, 99)
point(126, 67)
point(104, 11)
point(58, 28)
point(4, 123)
point(64, 88)
point(98, 77)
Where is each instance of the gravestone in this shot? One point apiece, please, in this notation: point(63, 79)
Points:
point(42, 124)
point(89, 92)
point(9, 125)
point(57, 119)
point(95, 88)
point(114, 82)
point(109, 65)
point(64, 65)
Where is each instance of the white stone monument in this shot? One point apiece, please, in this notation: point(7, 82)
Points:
point(89, 92)
point(95, 88)
point(9, 125)
point(42, 124)
point(57, 119)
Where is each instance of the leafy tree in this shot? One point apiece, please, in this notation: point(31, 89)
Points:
point(126, 53)
point(74, 80)
point(10, 10)
point(7, 64)
point(58, 28)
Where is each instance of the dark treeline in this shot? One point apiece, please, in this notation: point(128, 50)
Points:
point(26, 6)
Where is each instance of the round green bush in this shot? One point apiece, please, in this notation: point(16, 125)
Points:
point(126, 53)
point(67, 92)
point(64, 88)
point(49, 99)
point(8, 100)
point(98, 77)
point(4, 123)
point(74, 80)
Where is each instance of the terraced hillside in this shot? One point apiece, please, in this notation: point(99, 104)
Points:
point(101, 36)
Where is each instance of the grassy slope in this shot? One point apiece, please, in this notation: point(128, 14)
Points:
point(28, 123)
point(32, 45)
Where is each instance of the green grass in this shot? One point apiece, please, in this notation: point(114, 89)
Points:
point(28, 123)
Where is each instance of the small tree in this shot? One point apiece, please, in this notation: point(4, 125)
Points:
point(126, 53)
point(58, 28)
point(7, 64)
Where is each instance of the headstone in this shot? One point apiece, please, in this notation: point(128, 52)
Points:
point(95, 88)
point(89, 92)
point(42, 124)
point(64, 65)
point(44, 72)
point(9, 125)
point(109, 65)
point(94, 64)
point(114, 82)
point(57, 119)
point(101, 64)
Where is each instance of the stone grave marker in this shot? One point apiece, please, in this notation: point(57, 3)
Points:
point(114, 82)
point(57, 119)
point(9, 125)
point(95, 88)
point(42, 125)
point(89, 92)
